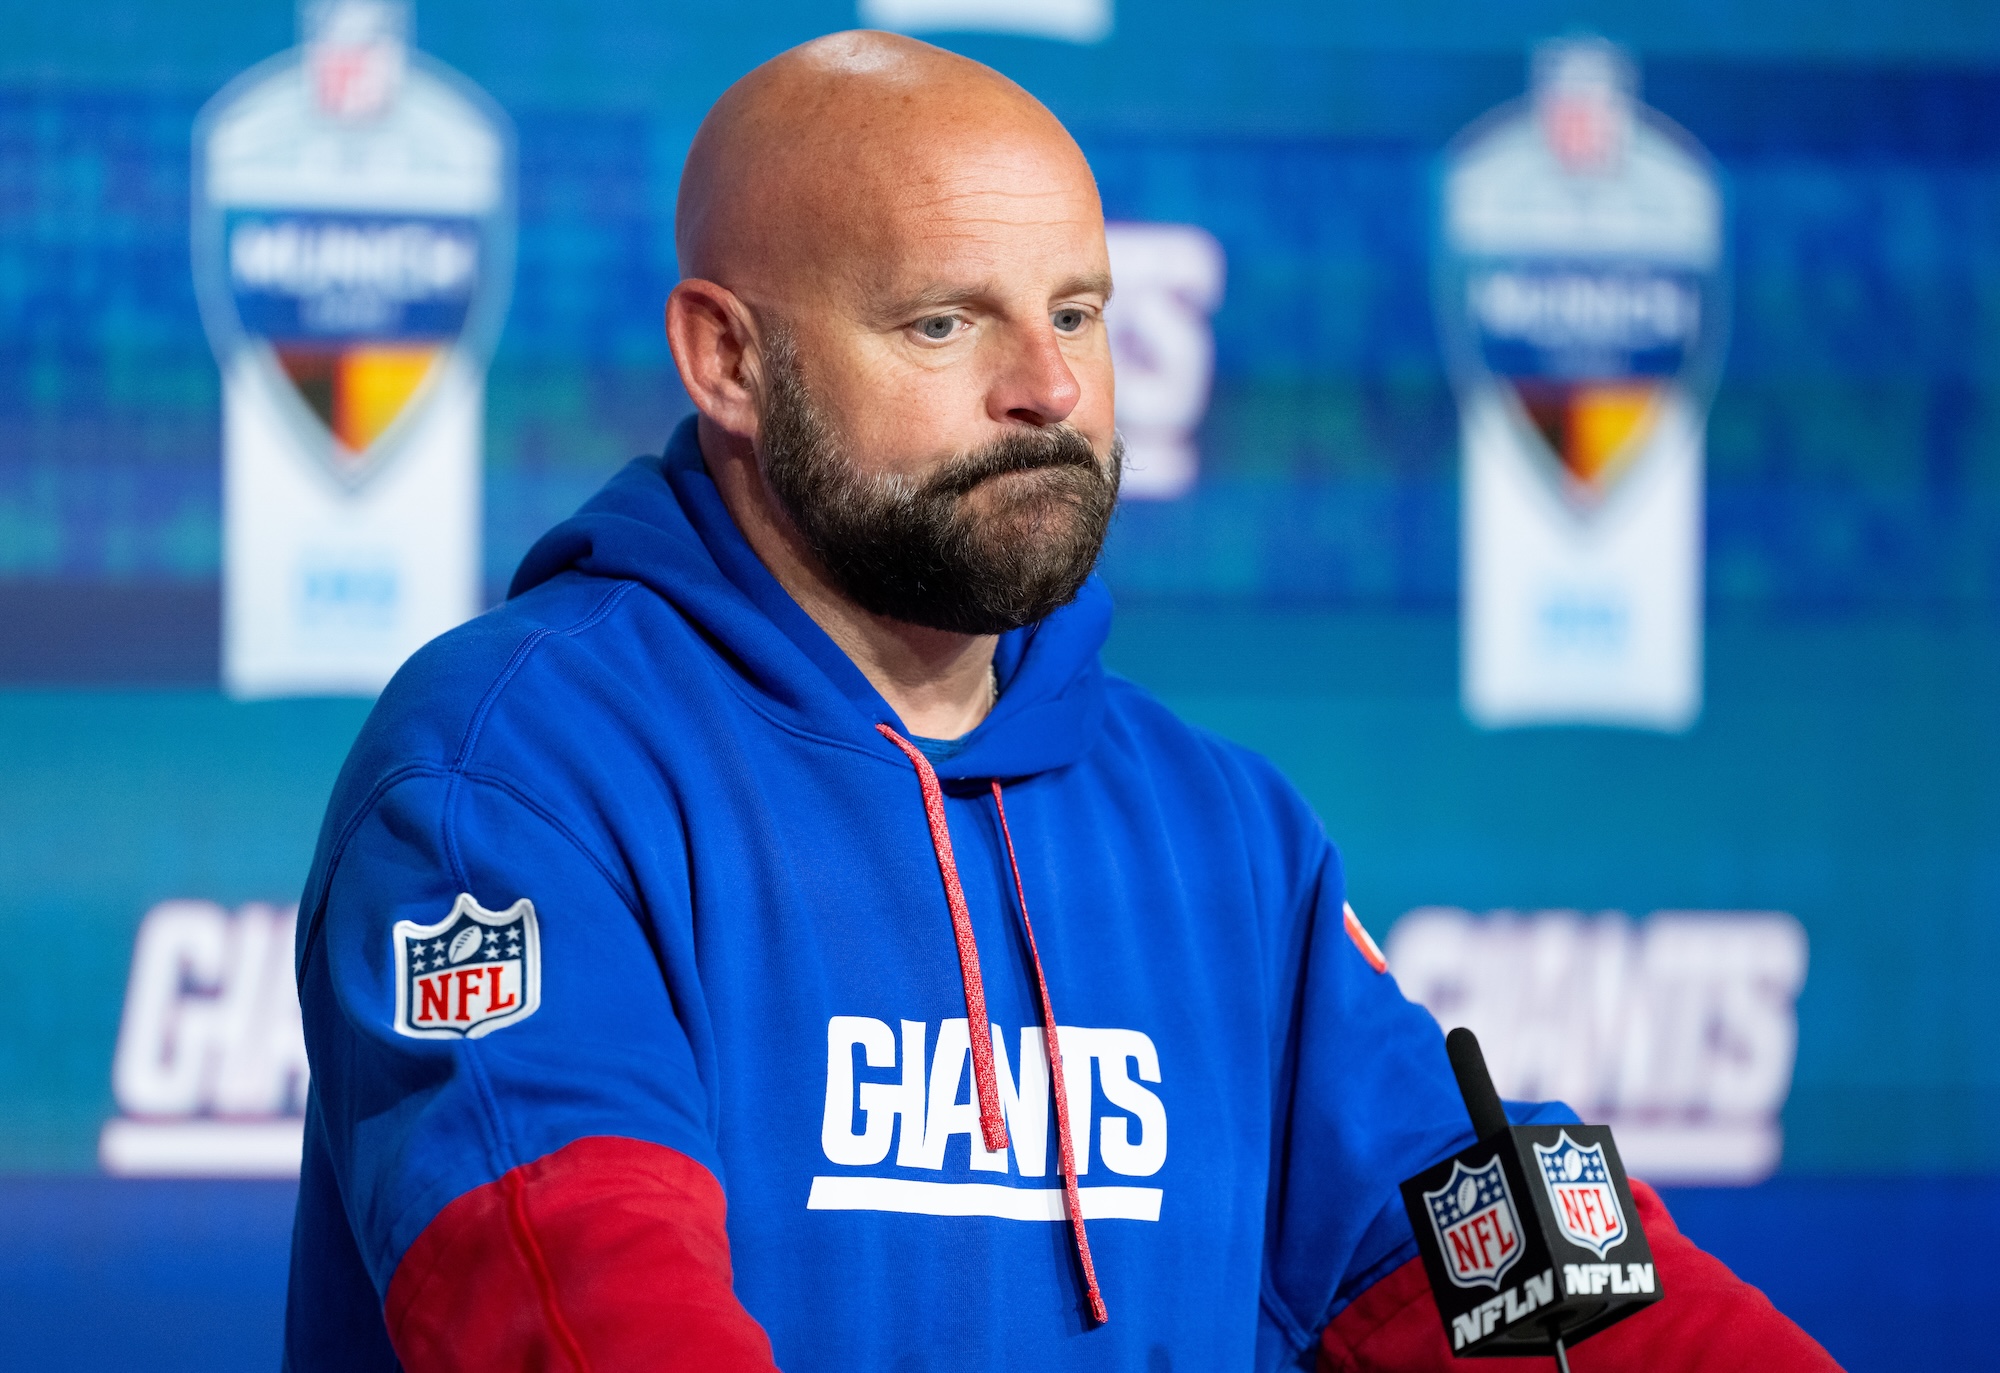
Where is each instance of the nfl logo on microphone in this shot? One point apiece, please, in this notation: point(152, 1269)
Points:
point(1529, 1232)
point(1476, 1225)
point(469, 974)
point(1580, 1190)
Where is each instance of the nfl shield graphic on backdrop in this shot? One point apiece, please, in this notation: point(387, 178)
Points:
point(1580, 1191)
point(469, 974)
point(1581, 296)
point(352, 254)
point(1477, 1228)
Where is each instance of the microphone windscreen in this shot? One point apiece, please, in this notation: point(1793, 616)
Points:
point(1468, 1064)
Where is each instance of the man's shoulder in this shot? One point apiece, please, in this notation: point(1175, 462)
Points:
point(519, 649)
point(533, 677)
point(1156, 737)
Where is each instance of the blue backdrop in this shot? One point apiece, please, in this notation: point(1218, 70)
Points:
point(1302, 598)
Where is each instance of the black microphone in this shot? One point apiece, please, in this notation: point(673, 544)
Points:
point(1475, 1084)
point(1530, 1237)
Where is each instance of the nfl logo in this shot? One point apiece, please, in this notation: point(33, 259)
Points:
point(469, 974)
point(1579, 1183)
point(1475, 1223)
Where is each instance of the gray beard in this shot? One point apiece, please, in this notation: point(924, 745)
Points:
point(913, 550)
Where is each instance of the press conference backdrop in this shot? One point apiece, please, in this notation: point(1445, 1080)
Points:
point(1758, 937)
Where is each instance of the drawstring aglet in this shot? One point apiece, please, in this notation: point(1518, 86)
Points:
point(992, 1126)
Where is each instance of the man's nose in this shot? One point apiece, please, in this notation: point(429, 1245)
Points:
point(1035, 385)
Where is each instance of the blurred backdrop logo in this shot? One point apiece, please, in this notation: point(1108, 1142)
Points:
point(1679, 1030)
point(353, 244)
point(210, 1070)
point(1168, 280)
point(1072, 21)
point(1581, 295)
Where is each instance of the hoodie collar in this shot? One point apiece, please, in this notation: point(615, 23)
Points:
point(661, 522)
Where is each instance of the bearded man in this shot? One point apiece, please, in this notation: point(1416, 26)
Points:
point(772, 939)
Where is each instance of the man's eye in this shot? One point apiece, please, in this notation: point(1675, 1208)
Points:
point(1068, 321)
point(938, 327)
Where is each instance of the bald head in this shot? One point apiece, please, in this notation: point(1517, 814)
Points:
point(802, 164)
point(891, 318)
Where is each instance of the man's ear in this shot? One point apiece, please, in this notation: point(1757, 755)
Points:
point(715, 346)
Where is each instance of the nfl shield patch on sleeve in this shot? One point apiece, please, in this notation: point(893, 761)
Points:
point(469, 974)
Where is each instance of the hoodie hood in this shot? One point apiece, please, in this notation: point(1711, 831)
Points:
point(662, 523)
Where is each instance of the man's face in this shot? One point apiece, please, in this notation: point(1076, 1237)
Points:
point(938, 409)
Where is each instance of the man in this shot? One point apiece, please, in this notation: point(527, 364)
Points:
point(771, 938)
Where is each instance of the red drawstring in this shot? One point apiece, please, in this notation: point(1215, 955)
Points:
point(990, 1123)
point(1064, 1147)
point(983, 1078)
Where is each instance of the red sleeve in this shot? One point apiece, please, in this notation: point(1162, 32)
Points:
point(1707, 1318)
point(608, 1254)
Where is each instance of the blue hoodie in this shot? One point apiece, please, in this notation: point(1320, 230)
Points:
point(638, 856)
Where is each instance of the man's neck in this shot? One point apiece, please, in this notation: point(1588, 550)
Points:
point(940, 684)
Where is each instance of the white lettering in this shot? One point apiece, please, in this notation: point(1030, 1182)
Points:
point(1135, 1158)
point(262, 1067)
point(935, 1098)
point(922, 1198)
point(906, 1102)
point(163, 1052)
point(948, 1115)
point(930, 1117)
point(211, 1017)
point(1570, 310)
point(1025, 1107)
point(1590, 1279)
point(210, 1067)
point(1679, 1030)
point(1169, 280)
point(837, 1138)
point(1078, 1046)
point(393, 261)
